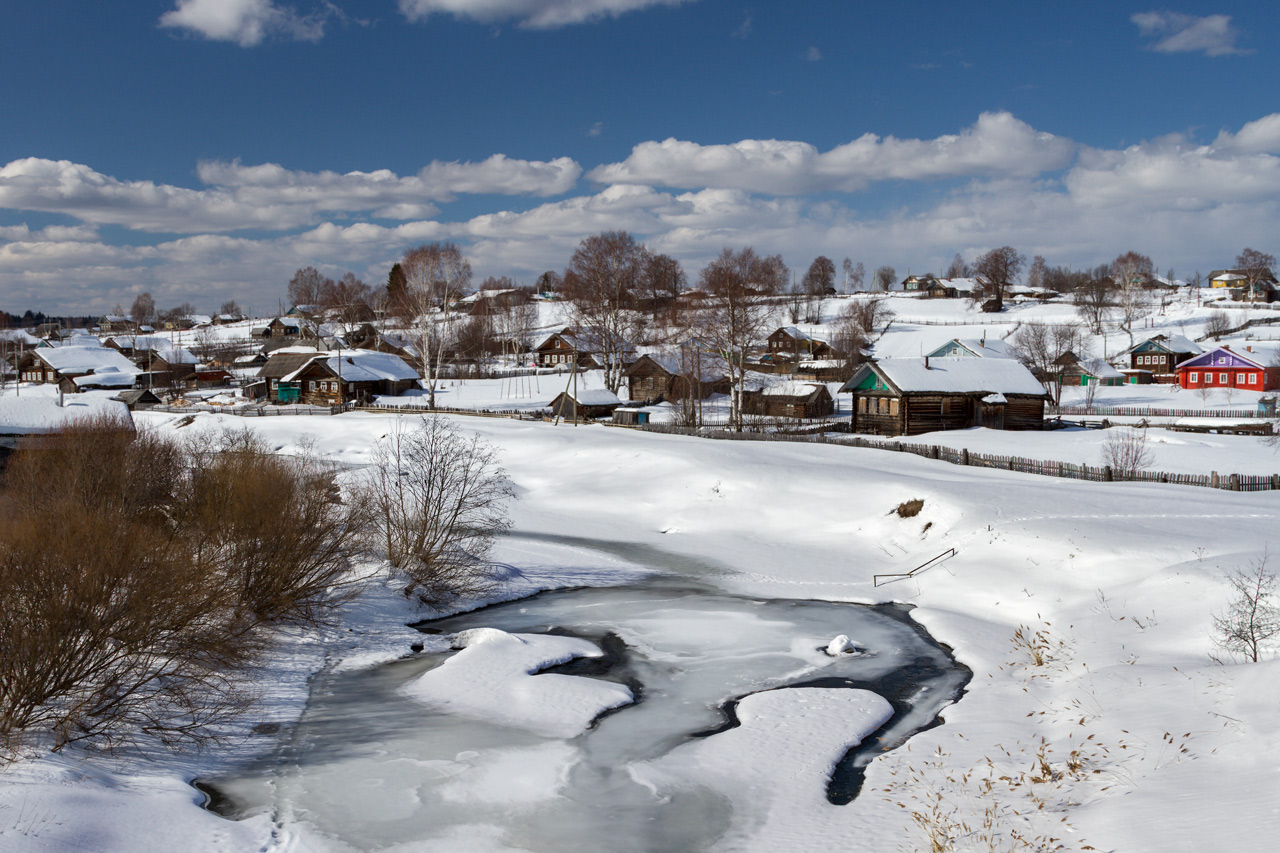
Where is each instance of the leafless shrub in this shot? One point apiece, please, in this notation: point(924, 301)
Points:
point(871, 316)
point(1217, 323)
point(138, 573)
point(438, 501)
point(274, 528)
point(1252, 618)
point(109, 631)
point(1126, 451)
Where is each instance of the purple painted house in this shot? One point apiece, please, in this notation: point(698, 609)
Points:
point(1223, 368)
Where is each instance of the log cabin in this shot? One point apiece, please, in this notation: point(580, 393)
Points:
point(910, 396)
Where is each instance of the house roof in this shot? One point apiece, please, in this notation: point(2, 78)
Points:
point(677, 363)
point(82, 359)
point(797, 390)
point(592, 397)
point(360, 365)
point(1220, 357)
point(1166, 343)
point(951, 375)
point(284, 361)
point(1099, 368)
point(793, 332)
point(979, 347)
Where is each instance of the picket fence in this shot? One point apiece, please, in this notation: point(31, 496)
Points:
point(963, 456)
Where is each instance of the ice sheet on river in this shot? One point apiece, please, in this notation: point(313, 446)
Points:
point(493, 679)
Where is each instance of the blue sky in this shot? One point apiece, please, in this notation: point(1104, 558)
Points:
point(204, 149)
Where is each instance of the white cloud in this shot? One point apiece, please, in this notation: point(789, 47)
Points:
point(998, 144)
point(246, 22)
point(813, 54)
point(533, 14)
point(267, 196)
point(1188, 205)
point(1178, 33)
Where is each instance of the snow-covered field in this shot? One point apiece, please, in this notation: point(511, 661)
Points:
point(1149, 745)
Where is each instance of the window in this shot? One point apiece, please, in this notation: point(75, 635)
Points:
point(893, 407)
point(1253, 379)
point(1193, 377)
point(1222, 377)
point(1239, 378)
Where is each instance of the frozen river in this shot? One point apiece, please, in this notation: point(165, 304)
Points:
point(463, 756)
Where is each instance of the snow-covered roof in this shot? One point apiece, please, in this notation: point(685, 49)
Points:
point(954, 375)
point(106, 377)
point(361, 366)
point(1100, 368)
point(594, 397)
point(793, 389)
point(75, 360)
point(1169, 343)
point(982, 347)
point(795, 333)
point(29, 415)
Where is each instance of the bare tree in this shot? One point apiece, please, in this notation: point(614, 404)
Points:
point(1126, 451)
point(1256, 268)
point(1252, 618)
point(602, 280)
point(232, 308)
point(853, 274)
point(144, 309)
point(663, 281)
point(1217, 323)
point(958, 267)
point(436, 275)
point(739, 287)
point(549, 282)
point(347, 300)
point(1094, 302)
point(820, 277)
point(885, 277)
point(307, 287)
point(439, 500)
point(1131, 272)
point(1035, 273)
point(1040, 346)
point(997, 270)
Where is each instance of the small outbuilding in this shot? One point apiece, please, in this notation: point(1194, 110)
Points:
point(585, 404)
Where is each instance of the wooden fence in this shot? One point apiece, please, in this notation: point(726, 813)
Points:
point(963, 456)
point(1138, 412)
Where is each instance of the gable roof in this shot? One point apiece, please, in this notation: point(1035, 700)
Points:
point(951, 375)
point(1220, 357)
point(359, 366)
point(980, 347)
point(82, 359)
point(1165, 343)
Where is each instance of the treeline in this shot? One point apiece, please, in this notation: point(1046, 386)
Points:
point(29, 318)
point(144, 576)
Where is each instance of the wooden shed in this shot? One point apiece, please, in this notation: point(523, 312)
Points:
point(790, 400)
point(676, 376)
point(910, 396)
point(585, 404)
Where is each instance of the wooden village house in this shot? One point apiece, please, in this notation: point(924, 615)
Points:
point(1157, 358)
point(348, 376)
point(792, 344)
point(585, 404)
point(790, 399)
point(910, 396)
point(1224, 368)
point(654, 377)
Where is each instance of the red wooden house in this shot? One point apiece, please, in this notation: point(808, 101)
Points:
point(1223, 368)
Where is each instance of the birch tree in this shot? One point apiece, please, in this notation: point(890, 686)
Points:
point(435, 275)
point(603, 277)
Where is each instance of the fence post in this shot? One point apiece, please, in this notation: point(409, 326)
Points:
point(1106, 473)
point(1213, 479)
point(934, 452)
point(1235, 482)
point(1275, 482)
point(964, 456)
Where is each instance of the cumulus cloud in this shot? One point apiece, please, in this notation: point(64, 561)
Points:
point(246, 22)
point(1175, 32)
point(813, 54)
point(998, 144)
point(1188, 204)
point(267, 196)
point(1175, 172)
point(532, 14)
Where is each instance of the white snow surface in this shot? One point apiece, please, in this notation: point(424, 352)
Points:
point(493, 678)
point(1121, 579)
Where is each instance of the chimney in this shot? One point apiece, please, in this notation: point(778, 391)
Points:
point(926, 362)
